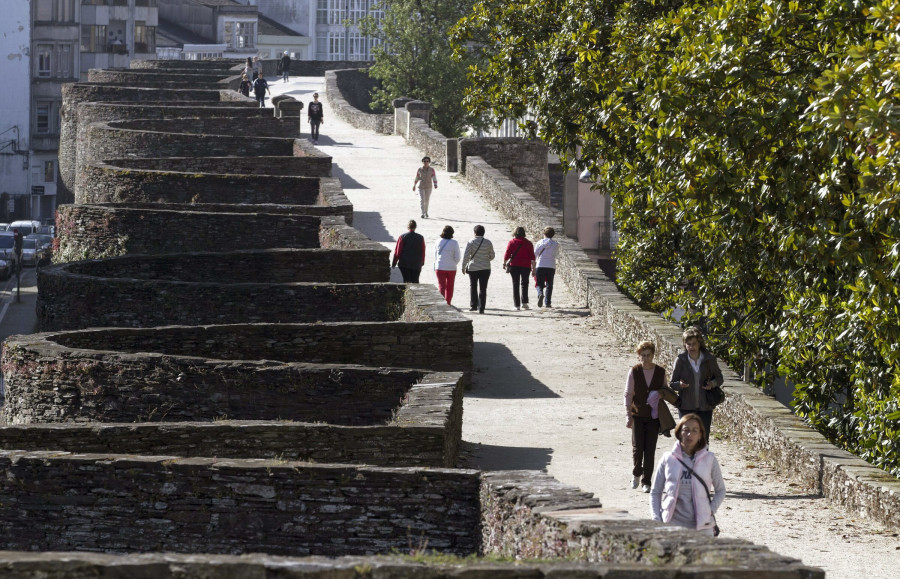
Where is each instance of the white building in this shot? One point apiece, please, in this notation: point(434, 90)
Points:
point(15, 106)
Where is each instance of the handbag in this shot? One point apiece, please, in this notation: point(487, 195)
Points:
point(465, 268)
point(714, 396)
point(506, 267)
point(716, 530)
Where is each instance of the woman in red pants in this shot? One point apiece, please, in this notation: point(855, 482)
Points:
point(446, 258)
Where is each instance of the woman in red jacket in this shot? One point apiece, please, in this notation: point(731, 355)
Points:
point(519, 262)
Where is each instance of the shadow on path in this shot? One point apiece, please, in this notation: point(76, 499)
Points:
point(491, 457)
point(371, 225)
point(347, 182)
point(497, 365)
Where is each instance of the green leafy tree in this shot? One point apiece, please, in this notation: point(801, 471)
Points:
point(414, 59)
point(750, 147)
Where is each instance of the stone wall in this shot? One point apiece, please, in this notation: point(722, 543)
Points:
point(424, 429)
point(107, 230)
point(221, 65)
point(58, 502)
point(217, 184)
point(72, 302)
point(356, 87)
point(378, 123)
point(747, 415)
point(17, 565)
point(529, 515)
point(158, 79)
point(523, 162)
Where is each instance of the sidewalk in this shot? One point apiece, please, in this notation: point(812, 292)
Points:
point(548, 385)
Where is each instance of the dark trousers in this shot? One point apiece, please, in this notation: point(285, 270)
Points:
point(545, 284)
point(478, 283)
point(521, 278)
point(705, 416)
point(410, 274)
point(314, 130)
point(644, 433)
point(262, 100)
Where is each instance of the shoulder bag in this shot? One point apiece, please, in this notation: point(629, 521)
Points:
point(465, 268)
point(506, 264)
point(716, 530)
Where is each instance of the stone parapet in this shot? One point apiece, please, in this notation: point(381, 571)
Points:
point(109, 230)
point(529, 515)
point(422, 428)
point(749, 416)
point(377, 123)
point(222, 66)
point(524, 162)
point(159, 78)
point(56, 502)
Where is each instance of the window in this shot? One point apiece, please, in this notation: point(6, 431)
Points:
point(49, 172)
point(239, 34)
point(95, 2)
point(144, 37)
point(148, 3)
point(44, 63)
point(330, 12)
point(42, 118)
point(93, 38)
point(357, 46)
point(64, 61)
point(54, 10)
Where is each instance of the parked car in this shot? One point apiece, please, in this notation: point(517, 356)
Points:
point(7, 255)
point(25, 227)
point(33, 251)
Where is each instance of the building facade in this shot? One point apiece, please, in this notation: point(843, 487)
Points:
point(15, 109)
point(68, 38)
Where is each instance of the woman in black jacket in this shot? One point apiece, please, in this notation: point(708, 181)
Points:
point(695, 370)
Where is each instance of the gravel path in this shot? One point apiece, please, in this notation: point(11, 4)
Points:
point(548, 384)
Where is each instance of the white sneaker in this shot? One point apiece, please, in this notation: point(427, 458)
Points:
point(645, 489)
point(635, 481)
point(517, 309)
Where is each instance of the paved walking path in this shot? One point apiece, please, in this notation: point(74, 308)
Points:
point(548, 385)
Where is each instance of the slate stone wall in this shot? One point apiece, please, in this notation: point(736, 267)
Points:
point(530, 515)
point(158, 79)
point(71, 302)
point(105, 183)
point(59, 502)
point(423, 428)
point(108, 230)
point(306, 165)
point(221, 65)
point(523, 162)
point(378, 123)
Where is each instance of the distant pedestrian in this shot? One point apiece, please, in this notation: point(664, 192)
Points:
point(545, 252)
point(644, 411)
point(426, 178)
point(446, 258)
point(518, 261)
point(248, 70)
point(257, 68)
point(477, 265)
point(695, 372)
point(684, 480)
point(260, 87)
point(245, 85)
point(409, 254)
point(285, 66)
point(315, 116)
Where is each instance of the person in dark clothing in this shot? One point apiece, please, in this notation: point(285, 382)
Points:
point(285, 66)
point(245, 86)
point(409, 254)
point(315, 116)
point(643, 406)
point(260, 87)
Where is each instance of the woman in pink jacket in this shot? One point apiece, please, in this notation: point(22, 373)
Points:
point(684, 479)
point(519, 257)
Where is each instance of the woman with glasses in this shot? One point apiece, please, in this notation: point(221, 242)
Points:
point(688, 486)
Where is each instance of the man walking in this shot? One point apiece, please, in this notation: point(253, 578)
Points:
point(260, 87)
point(426, 178)
point(285, 66)
point(409, 254)
point(315, 116)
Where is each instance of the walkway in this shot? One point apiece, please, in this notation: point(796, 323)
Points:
point(548, 384)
